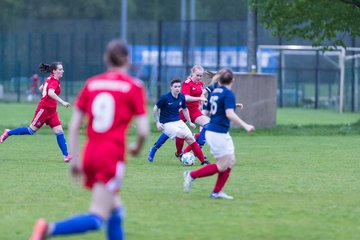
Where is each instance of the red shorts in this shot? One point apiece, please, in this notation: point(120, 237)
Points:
point(46, 115)
point(194, 114)
point(103, 162)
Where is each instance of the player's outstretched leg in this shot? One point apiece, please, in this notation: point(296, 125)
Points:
point(74, 225)
point(161, 140)
point(17, 131)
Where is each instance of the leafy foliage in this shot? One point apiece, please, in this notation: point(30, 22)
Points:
point(320, 21)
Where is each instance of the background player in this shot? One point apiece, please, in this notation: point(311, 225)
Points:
point(193, 90)
point(169, 122)
point(110, 101)
point(222, 109)
point(46, 112)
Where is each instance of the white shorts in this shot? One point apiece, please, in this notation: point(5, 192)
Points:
point(172, 128)
point(220, 144)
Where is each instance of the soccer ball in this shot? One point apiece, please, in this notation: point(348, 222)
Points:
point(188, 159)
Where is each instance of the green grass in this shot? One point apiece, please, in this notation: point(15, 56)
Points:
point(286, 187)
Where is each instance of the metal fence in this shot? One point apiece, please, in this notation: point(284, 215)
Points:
point(161, 50)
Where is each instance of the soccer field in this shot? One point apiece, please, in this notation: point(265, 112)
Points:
point(286, 186)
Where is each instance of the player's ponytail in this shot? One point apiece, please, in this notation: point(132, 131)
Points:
point(48, 68)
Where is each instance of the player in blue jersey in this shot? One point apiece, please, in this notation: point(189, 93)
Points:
point(222, 111)
point(169, 121)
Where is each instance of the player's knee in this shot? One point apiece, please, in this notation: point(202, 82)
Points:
point(232, 162)
point(59, 133)
point(189, 138)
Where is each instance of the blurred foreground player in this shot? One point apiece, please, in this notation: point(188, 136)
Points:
point(109, 101)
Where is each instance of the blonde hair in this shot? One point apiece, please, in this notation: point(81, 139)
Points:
point(196, 67)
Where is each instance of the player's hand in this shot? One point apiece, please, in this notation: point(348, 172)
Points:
point(204, 99)
point(240, 105)
point(192, 125)
point(66, 104)
point(133, 149)
point(76, 171)
point(249, 128)
point(160, 126)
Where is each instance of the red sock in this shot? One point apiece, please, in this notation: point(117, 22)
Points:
point(197, 151)
point(187, 149)
point(205, 171)
point(179, 142)
point(221, 180)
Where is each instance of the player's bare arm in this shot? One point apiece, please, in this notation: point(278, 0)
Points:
point(189, 98)
point(54, 96)
point(74, 126)
point(187, 117)
point(231, 115)
point(142, 126)
point(159, 125)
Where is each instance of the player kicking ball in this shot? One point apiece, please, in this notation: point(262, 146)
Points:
point(169, 121)
point(221, 108)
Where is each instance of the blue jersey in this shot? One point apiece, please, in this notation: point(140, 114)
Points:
point(221, 99)
point(169, 107)
point(211, 88)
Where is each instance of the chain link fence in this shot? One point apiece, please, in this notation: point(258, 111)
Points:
point(161, 50)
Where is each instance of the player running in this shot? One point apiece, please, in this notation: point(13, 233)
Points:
point(108, 101)
point(222, 111)
point(46, 112)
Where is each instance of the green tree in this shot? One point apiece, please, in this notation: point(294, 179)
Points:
point(318, 21)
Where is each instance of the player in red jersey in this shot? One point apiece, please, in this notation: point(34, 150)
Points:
point(193, 89)
point(46, 112)
point(109, 101)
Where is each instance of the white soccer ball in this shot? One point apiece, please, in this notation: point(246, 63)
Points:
point(188, 159)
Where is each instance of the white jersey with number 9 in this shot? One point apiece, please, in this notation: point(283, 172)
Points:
point(103, 110)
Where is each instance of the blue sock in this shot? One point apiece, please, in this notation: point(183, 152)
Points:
point(201, 140)
point(62, 143)
point(115, 230)
point(77, 224)
point(21, 131)
point(162, 139)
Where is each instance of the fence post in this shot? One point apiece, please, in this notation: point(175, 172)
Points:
point(159, 60)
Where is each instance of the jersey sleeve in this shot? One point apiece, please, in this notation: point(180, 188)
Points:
point(186, 88)
point(139, 100)
point(52, 85)
point(82, 98)
point(229, 101)
point(160, 102)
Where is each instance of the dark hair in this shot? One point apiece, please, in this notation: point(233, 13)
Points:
point(226, 76)
point(116, 53)
point(175, 80)
point(48, 68)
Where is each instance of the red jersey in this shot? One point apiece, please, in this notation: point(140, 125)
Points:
point(192, 89)
point(110, 101)
point(46, 100)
